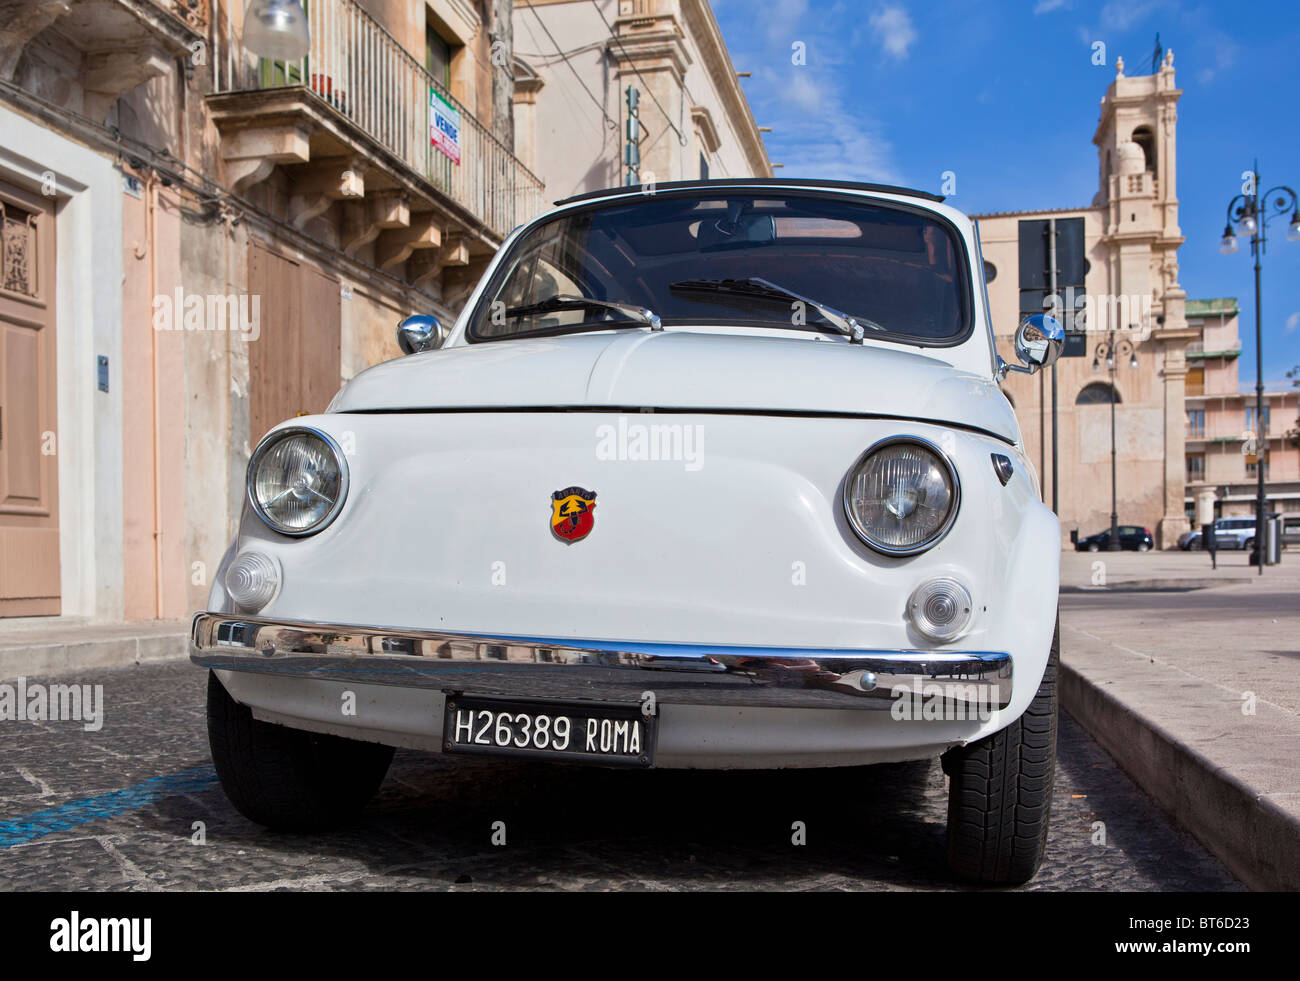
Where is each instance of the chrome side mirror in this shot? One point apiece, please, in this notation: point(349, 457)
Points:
point(420, 332)
point(1039, 342)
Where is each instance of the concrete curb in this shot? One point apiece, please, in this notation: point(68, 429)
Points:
point(45, 659)
point(1156, 585)
point(1257, 840)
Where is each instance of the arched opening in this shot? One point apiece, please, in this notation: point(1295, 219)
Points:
point(1144, 138)
point(1097, 393)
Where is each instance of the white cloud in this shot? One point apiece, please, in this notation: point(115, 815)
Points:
point(1293, 322)
point(786, 21)
point(806, 93)
point(893, 28)
point(814, 135)
point(1222, 52)
point(818, 129)
point(1120, 15)
point(1047, 6)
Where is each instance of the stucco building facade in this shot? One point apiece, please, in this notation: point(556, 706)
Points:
point(200, 242)
point(1224, 441)
point(574, 63)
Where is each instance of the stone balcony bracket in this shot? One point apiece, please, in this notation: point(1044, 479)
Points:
point(318, 185)
point(395, 245)
point(362, 221)
point(425, 268)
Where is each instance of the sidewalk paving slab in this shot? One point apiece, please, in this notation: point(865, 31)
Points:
point(1231, 779)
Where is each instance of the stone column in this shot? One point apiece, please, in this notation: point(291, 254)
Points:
point(1174, 522)
point(1205, 498)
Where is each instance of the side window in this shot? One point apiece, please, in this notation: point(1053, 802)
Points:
point(537, 275)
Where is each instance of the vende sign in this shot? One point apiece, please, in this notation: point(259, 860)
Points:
point(444, 126)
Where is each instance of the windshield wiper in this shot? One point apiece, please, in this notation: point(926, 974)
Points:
point(564, 301)
point(852, 327)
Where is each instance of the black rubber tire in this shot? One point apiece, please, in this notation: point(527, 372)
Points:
point(288, 779)
point(1000, 792)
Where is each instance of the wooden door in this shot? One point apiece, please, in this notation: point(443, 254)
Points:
point(294, 365)
point(29, 493)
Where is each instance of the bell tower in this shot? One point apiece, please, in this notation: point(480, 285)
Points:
point(1136, 142)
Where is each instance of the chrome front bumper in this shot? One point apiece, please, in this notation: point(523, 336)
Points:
point(546, 668)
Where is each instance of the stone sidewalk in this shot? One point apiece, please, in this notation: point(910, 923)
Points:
point(1174, 569)
point(1196, 694)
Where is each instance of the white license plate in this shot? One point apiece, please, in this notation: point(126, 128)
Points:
point(580, 732)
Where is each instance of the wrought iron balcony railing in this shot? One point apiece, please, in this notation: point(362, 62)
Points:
point(358, 68)
point(192, 12)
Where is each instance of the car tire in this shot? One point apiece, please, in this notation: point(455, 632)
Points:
point(1143, 547)
point(1248, 544)
point(1000, 792)
point(289, 779)
point(1094, 547)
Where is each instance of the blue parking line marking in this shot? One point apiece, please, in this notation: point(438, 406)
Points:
point(21, 830)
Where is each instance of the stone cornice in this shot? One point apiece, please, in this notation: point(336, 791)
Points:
point(649, 50)
point(703, 27)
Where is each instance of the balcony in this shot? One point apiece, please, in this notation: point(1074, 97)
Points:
point(1196, 352)
point(360, 121)
point(120, 44)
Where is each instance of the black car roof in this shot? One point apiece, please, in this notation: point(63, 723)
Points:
point(751, 182)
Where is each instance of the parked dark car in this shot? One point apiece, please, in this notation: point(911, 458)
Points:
point(1131, 538)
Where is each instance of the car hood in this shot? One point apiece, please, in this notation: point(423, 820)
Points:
point(685, 370)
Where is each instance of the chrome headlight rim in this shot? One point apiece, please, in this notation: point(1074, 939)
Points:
point(882, 547)
point(269, 442)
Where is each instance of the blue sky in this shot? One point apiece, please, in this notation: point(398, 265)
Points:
point(1005, 95)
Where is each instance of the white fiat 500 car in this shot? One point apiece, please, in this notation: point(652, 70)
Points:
point(718, 475)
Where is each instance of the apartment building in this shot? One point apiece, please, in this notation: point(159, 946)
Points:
point(1225, 443)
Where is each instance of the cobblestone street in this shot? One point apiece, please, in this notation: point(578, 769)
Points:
point(117, 809)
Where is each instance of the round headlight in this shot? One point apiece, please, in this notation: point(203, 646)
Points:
point(297, 481)
point(901, 496)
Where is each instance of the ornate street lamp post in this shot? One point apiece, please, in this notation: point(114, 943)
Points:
point(1109, 350)
point(1251, 214)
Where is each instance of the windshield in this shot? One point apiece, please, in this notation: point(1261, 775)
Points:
point(693, 259)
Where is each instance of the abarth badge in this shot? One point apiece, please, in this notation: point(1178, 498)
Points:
point(573, 513)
